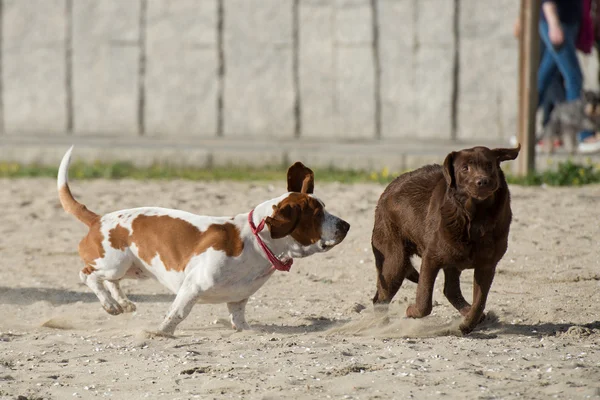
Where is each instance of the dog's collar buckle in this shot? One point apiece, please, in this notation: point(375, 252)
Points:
point(276, 263)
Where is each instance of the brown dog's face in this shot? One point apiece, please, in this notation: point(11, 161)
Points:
point(476, 171)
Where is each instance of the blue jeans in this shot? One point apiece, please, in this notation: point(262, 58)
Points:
point(562, 59)
point(554, 93)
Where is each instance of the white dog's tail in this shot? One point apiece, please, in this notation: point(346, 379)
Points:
point(67, 201)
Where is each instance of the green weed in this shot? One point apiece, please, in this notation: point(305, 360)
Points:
point(566, 174)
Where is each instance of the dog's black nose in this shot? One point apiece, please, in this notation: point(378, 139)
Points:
point(482, 182)
point(343, 226)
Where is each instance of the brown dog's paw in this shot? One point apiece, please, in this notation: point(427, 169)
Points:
point(412, 311)
point(467, 328)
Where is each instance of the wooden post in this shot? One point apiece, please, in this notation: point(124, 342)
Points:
point(529, 50)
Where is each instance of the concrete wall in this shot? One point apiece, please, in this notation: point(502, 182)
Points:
point(286, 69)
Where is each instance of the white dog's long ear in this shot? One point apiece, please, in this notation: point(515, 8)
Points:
point(300, 179)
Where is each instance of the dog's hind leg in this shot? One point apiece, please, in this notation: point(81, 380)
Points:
point(423, 303)
point(452, 291)
point(115, 290)
point(94, 281)
point(237, 314)
point(392, 268)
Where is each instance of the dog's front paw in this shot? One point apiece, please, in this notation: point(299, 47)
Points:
point(159, 334)
point(128, 306)
point(113, 308)
point(465, 329)
point(413, 311)
point(166, 330)
point(467, 326)
point(240, 326)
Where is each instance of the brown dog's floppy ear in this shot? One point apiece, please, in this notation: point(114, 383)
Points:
point(507, 154)
point(284, 220)
point(449, 170)
point(300, 179)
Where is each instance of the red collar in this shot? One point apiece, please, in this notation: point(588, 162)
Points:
point(275, 262)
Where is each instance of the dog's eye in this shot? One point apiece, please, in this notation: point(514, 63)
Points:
point(465, 167)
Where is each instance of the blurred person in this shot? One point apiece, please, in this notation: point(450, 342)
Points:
point(590, 141)
point(553, 94)
point(564, 26)
point(559, 29)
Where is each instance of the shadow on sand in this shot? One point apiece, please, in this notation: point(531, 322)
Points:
point(315, 325)
point(540, 329)
point(30, 295)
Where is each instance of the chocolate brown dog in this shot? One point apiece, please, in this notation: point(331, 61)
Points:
point(454, 217)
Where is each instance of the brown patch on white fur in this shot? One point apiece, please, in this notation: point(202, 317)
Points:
point(88, 269)
point(119, 237)
point(298, 215)
point(225, 237)
point(90, 247)
point(176, 241)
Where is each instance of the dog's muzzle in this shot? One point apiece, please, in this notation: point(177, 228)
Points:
point(341, 230)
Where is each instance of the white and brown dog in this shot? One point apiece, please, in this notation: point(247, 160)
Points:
point(200, 258)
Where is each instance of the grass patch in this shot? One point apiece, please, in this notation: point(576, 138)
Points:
point(120, 170)
point(566, 174)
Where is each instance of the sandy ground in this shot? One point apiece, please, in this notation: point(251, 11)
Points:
point(541, 341)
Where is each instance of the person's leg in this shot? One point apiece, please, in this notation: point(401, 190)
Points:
point(590, 140)
point(551, 89)
point(565, 58)
point(548, 69)
point(554, 94)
